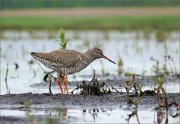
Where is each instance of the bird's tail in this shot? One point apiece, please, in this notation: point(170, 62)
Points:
point(37, 56)
point(42, 57)
point(34, 55)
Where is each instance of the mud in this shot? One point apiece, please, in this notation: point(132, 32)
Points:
point(68, 101)
point(115, 80)
point(12, 120)
point(48, 102)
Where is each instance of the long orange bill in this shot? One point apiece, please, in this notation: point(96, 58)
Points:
point(108, 59)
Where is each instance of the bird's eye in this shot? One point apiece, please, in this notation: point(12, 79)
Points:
point(99, 52)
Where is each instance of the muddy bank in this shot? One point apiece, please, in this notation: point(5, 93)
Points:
point(59, 100)
point(12, 120)
point(115, 80)
point(60, 103)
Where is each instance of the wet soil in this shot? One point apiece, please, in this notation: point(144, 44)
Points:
point(115, 80)
point(12, 120)
point(47, 101)
point(58, 100)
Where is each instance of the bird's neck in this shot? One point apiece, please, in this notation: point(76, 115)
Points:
point(90, 56)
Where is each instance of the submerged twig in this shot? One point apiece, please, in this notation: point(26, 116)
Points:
point(50, 81)
point(16, 66)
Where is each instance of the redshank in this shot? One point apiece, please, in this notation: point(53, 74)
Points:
point(68, 61)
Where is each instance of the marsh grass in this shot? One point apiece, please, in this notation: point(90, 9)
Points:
point(170, 61)
point(161, 94)
point(125, 23)
point(164, 70)
point(147, 33)
point(162, 35)
point(134, 113)
point(63, 40)
point(136, 88)
point(120, 67)
point(133, 87)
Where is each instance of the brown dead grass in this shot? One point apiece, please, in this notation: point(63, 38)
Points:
point(93, 12)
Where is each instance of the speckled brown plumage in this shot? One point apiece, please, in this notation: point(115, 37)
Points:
point(68, 61)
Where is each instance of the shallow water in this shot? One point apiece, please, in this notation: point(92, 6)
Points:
point(94, 115)
point(135, 53)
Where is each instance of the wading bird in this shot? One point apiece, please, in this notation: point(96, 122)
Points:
point(68, 61)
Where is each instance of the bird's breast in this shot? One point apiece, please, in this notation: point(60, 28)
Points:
point(77, 67)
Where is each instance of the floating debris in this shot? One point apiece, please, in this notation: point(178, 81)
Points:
point(16, 66)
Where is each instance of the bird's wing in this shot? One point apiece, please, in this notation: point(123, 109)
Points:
point(63, 58)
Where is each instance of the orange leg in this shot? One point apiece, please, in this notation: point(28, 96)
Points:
point(59, 83)
point(65, 83)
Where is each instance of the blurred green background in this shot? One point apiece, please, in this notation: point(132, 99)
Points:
point(84, 3)
point(90, 14)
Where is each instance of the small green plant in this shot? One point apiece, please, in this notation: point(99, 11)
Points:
point(63, 41)
point(128, 72)
point(135, 112)
point(127, 88)
point(156, 68)
point(163, 70)
point(134, 87)
point(120, 67)
point(169, 59)
point(161, 94)
point(6, 77)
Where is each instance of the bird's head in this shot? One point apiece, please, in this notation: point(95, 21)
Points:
point(98, 53)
